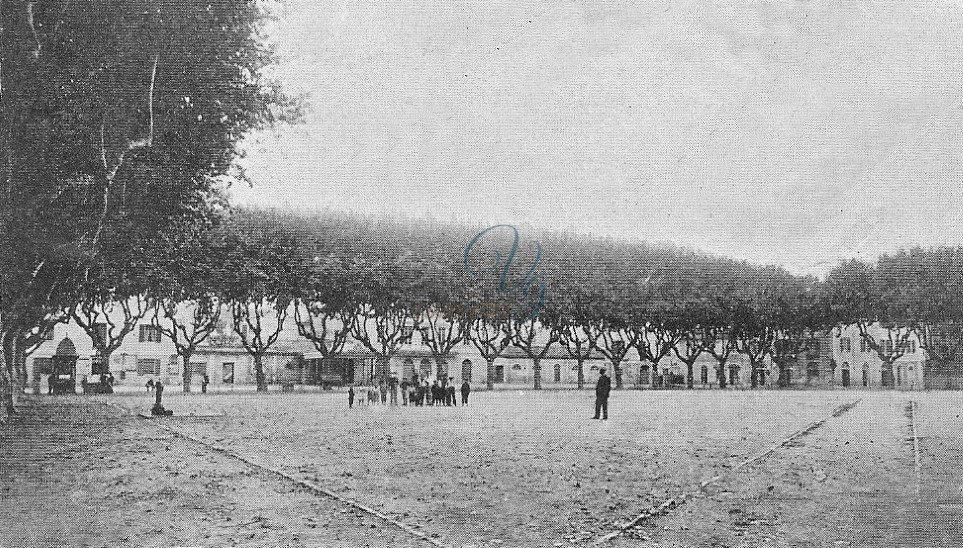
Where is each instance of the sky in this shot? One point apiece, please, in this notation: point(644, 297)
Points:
point(789, 133)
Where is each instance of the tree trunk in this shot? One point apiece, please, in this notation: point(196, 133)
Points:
point(441, 370)
point(259, 373)
point(784, 379)
point(7, 374)
point(655, 375)
point(617, 372)
point(490, 378)
point(689, 375)
point(186, 373)
point(537, 372)
point(580, 373)
point(887, 379)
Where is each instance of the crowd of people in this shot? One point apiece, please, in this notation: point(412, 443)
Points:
point(414, 392)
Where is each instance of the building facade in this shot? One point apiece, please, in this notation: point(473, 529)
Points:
point(840, 358)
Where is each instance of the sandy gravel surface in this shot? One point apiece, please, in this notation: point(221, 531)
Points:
point(513, 469)
point(79, 474)
point(851, 482)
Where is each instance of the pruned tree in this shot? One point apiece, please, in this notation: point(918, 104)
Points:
point(491, 335)
point(324, 310)
point(108, 319)
point(188, 324)
point(258, 279)
point(535, 340)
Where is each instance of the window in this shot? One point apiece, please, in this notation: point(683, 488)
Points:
point(705, 374)
point(150, 333)
point(227, 372)
point(198, 368)
point(442, 333)
point(406, 334)
point(912, 347)
point(148, 366)
point(863, 347)
point(558, 372)
point(466, 370)
point(499, 373)
point(845, 344)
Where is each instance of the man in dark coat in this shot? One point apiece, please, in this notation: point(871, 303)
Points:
point(602, 389)
point(465, 390)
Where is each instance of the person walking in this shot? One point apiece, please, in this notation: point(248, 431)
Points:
point(350, 397)
point(602, 389)
point(404, 392)
point(465, 390)
point(383, 388)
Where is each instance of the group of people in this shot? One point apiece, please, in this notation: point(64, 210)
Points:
point(443, 393)
point(413, 392)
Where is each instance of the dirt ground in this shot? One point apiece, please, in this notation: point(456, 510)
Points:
point(511, 469)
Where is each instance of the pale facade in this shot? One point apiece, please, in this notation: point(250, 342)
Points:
point(839, 358)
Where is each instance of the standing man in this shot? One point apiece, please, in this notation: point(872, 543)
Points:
point(404, 392)
point(350, 396)
point(204, 382)
point(465, 390)
point(602, 389)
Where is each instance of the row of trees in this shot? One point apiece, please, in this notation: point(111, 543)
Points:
point(120, 120)
point(344, 277)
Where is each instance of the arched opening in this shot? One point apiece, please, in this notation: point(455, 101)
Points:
point(704, 374)
point(466, 371)
point(64, 368)
point(558, 372)
point(865, 374)
point(845, 374)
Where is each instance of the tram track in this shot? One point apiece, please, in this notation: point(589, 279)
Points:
point(917, 463)
point(300, 483)
point(673, 502)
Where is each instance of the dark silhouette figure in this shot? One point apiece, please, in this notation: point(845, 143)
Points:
point(465, 390)
point(602, 389)
point(350, 397)
point(204, 382)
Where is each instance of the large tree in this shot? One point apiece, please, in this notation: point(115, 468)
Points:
point(116, 118)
